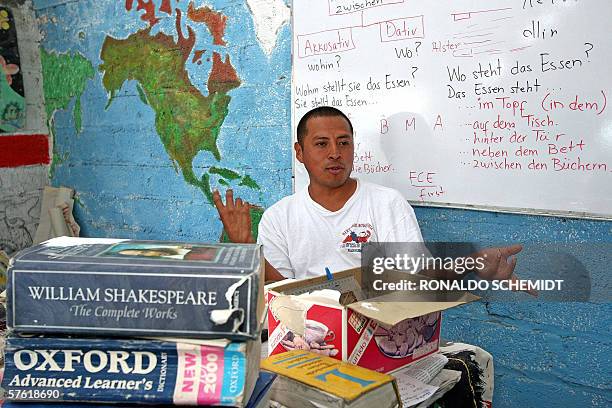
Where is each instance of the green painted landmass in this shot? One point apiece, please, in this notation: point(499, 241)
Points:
point(78, 117)
point(205, 186)
point(247, 181)
point(225, 173)
point(64, 78)
point(186, 121)
point(56, 160)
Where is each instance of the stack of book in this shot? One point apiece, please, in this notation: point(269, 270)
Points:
point(122, 321)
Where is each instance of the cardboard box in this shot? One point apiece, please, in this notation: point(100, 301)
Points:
point(383, 333)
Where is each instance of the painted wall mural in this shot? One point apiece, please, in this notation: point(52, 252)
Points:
point(187, 121)
point(12, 100)
point(154, 108)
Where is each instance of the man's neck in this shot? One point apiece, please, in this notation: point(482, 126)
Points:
point(332, 199)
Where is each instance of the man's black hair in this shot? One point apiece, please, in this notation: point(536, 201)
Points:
point(321, 111)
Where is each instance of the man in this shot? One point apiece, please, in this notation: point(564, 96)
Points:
point(326, 224)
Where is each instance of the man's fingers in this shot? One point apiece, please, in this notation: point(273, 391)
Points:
point(229, 198)
point(217, 201)
point(508, 268)
point(514, 279)
point(511, 250)
point(532, 292)
point(245, 219)
point(239, 203)
point(222, 210)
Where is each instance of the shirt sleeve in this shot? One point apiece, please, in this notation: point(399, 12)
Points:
point(275, 245)
point(406, 228)
point(404, 238)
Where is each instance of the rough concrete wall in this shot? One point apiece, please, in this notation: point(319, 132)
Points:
point(545, 354)
point(21, 186)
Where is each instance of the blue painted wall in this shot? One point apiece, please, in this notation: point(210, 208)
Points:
point(546, 354)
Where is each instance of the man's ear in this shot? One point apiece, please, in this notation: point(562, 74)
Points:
point(298, 152)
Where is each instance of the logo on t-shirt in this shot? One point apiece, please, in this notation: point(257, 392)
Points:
point(355, 236)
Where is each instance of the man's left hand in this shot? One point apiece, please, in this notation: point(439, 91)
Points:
point(499, 264)
point(235, 216)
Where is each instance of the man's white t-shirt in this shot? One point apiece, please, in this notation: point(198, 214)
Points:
point(300, 238)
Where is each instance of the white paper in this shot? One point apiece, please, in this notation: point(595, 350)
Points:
point(426, 369)
point(220, 343)
point(71, 241)
point(58, 223)
point(330, 294)
point(413, 391)
point(413, 380)
point(53, 223)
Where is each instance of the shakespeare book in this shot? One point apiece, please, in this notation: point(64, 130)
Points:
point(109, 287)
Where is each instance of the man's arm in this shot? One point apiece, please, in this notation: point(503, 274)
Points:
point(236, 219)
point(498, 264)
point(272, 275)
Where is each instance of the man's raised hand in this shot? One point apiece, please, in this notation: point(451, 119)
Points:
point(499, 264)
point(235, 216)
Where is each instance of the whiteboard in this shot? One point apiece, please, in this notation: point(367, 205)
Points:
point(496, 104)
